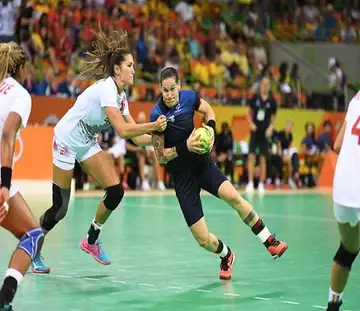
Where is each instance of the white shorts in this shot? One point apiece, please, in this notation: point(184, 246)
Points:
point(119, 148)
point(345, 214)
point(64, 156)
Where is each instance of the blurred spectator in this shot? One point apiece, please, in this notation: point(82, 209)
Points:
point(7, 19)
point(30, 83)
point(224, 150)
point(275, 163)
point(150, 67)
point(47, 86)
point(67, 88)
point(337, 83)
point(324, 141)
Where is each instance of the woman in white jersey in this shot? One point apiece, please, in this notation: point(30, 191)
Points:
point(15, 215)
point(101, 105)
point(346, 197)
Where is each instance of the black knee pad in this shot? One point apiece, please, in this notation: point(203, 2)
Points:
point(113, 197)
point(345, 258)
point(58, 210)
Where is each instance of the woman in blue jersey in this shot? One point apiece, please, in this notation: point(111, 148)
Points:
point(193, 169)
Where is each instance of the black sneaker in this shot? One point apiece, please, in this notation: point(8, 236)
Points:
point(334, 306)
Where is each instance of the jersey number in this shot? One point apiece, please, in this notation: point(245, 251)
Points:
point(355, 130)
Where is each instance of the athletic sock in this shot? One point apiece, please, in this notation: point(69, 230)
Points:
point(223, 250)
point(262, 232)
point(94, 231)
point(8, 290)
point(334, 297)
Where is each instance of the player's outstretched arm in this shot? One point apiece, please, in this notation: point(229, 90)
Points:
point(339, 139)
point(142, 140)
point(130, 130)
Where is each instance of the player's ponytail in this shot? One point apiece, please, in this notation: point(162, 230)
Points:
point(12, 58)
point(107, 51)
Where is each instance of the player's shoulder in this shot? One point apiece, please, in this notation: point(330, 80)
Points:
point(187, 94)
point(106, 86)
point(19, 91)
point(355, 102)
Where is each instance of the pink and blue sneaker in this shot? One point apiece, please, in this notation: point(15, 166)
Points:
point(95, 250)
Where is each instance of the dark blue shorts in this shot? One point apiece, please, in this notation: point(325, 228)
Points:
point(188, 184)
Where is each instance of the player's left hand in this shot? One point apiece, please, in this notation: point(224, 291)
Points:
point(212, 135)
point(4, 208)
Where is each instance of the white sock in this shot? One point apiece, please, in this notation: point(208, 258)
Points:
point(97, 225)
point(224, 251)
point(15, 274)
point(264, 234)
point(334, 297)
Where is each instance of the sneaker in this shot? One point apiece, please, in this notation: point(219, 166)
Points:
point(95, 250)
point(226, 266)
point(334, 306)
point(161, 186)
point(275, 247)
point(250, 187)
point(261, 187)
point(6, 308)
point(37, 265)
point(145, 185)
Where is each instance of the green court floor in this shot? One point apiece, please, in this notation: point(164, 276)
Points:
point(158, 266)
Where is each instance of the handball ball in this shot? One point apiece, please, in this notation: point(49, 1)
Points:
point(205, 137)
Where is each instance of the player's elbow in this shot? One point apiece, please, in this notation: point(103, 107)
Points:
point(337, 146)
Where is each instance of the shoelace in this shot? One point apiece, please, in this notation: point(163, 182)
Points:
point(275, 241)
point(224, 263)
point(38, 260)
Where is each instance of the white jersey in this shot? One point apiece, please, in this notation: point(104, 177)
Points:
point(346, 190)
point(14, 98)
point(82, 124)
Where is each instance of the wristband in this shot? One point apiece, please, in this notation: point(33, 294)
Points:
point(6, 173)
point(182, 148)
point(212, 124)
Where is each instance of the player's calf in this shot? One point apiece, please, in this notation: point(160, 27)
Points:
point(31, 243)
point(58, 210)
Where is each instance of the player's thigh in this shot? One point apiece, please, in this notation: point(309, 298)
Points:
point(349, 227)
point(212, 178)
point(19, 218)
point(187, 192)
point(100, 167)
point(63, 163)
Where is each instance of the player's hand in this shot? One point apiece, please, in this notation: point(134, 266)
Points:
point(4, 206)
point(193, 143)
point(269, 131)
point(253, 127)
point(212, 135)
point(160, 123)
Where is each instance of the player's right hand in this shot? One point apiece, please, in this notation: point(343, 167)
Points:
point(160, 124)
point(194, 145)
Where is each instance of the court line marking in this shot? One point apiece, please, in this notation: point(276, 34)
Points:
point(232, 294)
point(290, 302)
point(197, 290)
point(261, 298)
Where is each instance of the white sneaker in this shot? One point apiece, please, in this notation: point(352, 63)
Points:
point(145, 185)
point(161, 186)
point(261, 187)
point(249, 187)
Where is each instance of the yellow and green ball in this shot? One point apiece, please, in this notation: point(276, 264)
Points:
point(205, 137)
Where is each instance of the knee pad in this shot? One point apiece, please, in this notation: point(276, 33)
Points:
point(31, 242)
point(53, 215)
point(345, 258)
point(113, 197)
